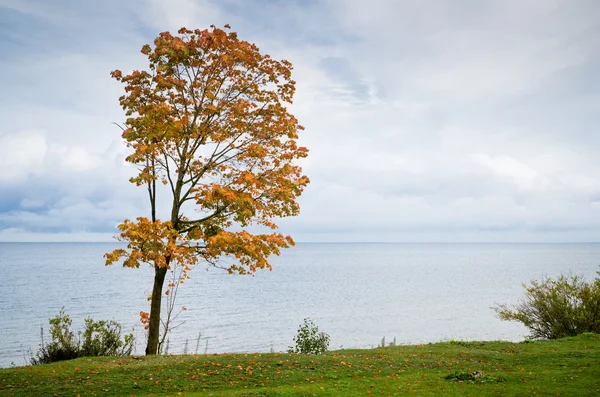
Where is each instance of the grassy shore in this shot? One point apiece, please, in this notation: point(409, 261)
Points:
point(565, 367)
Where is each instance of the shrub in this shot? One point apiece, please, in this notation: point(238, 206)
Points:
point(475, 377)
point(100, 338)
point(309, 340)
point(64, 345)
point(556, 308)
point(103, 338)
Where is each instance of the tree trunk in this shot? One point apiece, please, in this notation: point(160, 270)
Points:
point(154, 326)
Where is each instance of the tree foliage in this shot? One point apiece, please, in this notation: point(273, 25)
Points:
point(556, 308)
point(208, 121)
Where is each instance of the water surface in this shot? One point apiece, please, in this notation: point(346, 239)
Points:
point(357, 293)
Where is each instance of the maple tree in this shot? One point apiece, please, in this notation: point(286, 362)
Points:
point(208, 124)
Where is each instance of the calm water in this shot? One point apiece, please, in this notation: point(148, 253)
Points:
point(357, 293)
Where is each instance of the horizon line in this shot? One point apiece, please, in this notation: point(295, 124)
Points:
point(336, 242)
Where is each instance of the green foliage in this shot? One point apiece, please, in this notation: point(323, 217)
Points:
point(309, 340)
point(100, 338)
point(103, 338)
point(64, 345)
point(475, 377)
point(556, 308)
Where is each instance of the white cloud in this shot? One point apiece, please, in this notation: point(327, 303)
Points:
point(506, 166)
point(21, 154)
point(170, 16)
point(425, 120)
point(77, 159)
point(23, 235)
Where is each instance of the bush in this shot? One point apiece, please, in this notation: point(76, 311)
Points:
point(103, 338)
point(100, 338)
point(309, 340)
point(475, 377)
point(552, 309)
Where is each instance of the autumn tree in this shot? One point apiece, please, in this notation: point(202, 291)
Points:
point(210, 134)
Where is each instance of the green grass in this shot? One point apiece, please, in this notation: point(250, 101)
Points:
point(564, 367)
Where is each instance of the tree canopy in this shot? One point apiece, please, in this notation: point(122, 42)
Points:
point(208, 123)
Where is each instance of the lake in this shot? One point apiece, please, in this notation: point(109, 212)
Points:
point(357, 293)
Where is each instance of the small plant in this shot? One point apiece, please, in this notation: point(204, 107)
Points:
point(198, 342)
point(475, 377)
point(166, 353)
point(100, 338)
point(556, 308)
point(309, 340)
point(466, 343)
point(383, 342)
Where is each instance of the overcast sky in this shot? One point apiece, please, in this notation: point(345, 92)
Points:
point(426, 120)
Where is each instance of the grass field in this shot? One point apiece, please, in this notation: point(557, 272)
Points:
point(564, 367)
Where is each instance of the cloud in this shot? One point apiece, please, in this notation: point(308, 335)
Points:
point(21, 154)
point(430, 121)
point(54, 188)
point(170, 16)
point(504, 166)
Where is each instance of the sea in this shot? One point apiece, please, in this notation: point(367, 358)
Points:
point(358, 293)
